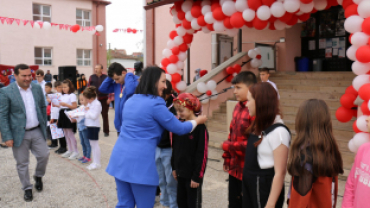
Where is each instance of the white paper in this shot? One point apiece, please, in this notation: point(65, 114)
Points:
point(335, 42)
point(322, 44)
point(342, 53)
point(312, 45)
point(335, 51)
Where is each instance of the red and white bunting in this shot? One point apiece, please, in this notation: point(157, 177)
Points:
point(127, 30)
point(17, 21)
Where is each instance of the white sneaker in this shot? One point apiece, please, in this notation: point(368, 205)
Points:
point(67, 154)
point(93, 166)
point(73, 156)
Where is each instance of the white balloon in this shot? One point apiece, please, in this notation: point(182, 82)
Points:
point(92, 32)
point(223, 1)
point(194, 24)
point(202, 87)
point(359, 39)
point(170, 44)
point(214, 96)
point(351, 146)
point(258, 50)
point(291, 5)
point(178, 40)
point(248, 15)
point(211, 85)
point(99, 28)
point(188, 16)
point(360, 68)
point(241, 5)
point(171, 68)
point(263, 12)
point(205, 99)
point(306, 8)
point(191, 31)
point(181, 85)
point(205, 3)
point(368, 105)
point(173, 11)
point(169, 77)
point(176, 20)
point(360, 139)
point(182, 56)
point(351, 53)
point(228, 8)
point(232, 32)
point(363, 9)
point(219, 26)
point(359, 81)
point(206, 9)
point(353, 24)
point(37, 25)
point(181, 31)
point(299, 14)
point(46, 25)
point(180, 65)
point(340, 2)
point(252, 53)
point(205, 30)
point(166, 52)
point(254, 63)
point(180, 72)
point(357, 2)
point(279, 25)
point(320, 4)
point(277, 9)
point(208, 18)
point(361, 123)
point(186, 6)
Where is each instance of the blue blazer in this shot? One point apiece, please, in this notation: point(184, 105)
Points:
point(133, 156)
point(110, 86)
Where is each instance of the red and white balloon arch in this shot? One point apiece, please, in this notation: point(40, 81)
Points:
point(228, 16)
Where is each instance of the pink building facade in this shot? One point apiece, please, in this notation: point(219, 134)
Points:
point(54, 47)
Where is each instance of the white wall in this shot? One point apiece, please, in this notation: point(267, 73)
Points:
point(127, 63)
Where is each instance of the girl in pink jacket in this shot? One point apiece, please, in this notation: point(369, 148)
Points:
point(357, 192)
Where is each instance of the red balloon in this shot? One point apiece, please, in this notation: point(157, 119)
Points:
point(249, 24)
point(174, 59)
point(286, 17)
point(203, 72)
point(304, 17)
point(363, 54)
point(236, 20)
point(347, 100)
point(364, 92)
point(237, 68)
point(351, 90)
point(259, 24)
point(134, 31)
point(176, 77)
point(174, 87)
point(215, 6)
point(173, 34)
point(313, 11)
point(201, 21)
point(293, 20)
point(178, 5)
point(186, 24)
point(272, 26)
point(75, 28)
point(175, 50)
point(351, 10)
point(258, 56)
point(181, 15)
point(230, 70)
point(227, 23)
point(230, 78)
point(218, 14)
point(272, 19)
point(354, 113)
point(254, 4)
point(343, 114)
point(355, 129)
point(188, 38)
point(183, 47)
point(306, 1)
point(196, 11)
point(268, 2)
point(365, 109)
point(165, 62)
point(366, 26)
point(350, 37)
point(210, 27)
point(347, 3)
point(209, 92)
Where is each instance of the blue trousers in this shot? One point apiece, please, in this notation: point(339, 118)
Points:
point(86, 148)
point(167, 182)
point(131, 194)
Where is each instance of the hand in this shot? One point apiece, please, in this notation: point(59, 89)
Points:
point(52, 121)
point(47, 99)
point(174, 174)
point(194, 184)
point(201, 119)
point(73, 120)
point(108, 101)
point(9, 143)
point(226, 168)
point(130, 71)
point(87, 108)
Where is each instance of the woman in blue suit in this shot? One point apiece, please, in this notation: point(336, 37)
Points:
point(132, 162)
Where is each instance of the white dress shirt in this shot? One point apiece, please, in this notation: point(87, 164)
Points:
point(93, 114)
point(42, 84)
point(69, 99)
point(29, 104)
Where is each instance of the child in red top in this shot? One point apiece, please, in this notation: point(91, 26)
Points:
point(236, 143)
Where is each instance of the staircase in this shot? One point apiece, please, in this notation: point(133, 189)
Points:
point(294, 88)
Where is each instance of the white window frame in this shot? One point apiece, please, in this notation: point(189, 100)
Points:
point(83, 18)
point(41, 15)
point(43, 58)
point(83, 59)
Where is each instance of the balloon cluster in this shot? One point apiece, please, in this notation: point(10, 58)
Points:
point(232, 71)
point(255, 55)
point(209, 91)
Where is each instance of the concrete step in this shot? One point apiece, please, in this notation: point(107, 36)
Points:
point(309, 95)
point(313, 75)
point(221, 108)
point(321, 83)
point(213, 125)
point(315, 89)
point(292, 110)
point(333, 105)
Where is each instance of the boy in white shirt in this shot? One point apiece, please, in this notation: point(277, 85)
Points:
point(264, 75)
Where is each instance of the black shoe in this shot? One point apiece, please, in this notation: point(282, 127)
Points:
point(3, 146)
point(61, 150)
point(38, 184)
point(52, 146)
point(28, 195)
point(106, 134)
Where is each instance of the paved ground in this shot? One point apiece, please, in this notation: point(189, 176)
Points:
point(69, 184)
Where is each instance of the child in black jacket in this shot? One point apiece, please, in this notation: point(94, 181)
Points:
point(190, 154)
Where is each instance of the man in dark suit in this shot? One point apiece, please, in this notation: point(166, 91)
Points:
point(23, 126)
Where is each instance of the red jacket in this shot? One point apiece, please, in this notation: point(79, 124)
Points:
point(236, 143)
point(4, 80)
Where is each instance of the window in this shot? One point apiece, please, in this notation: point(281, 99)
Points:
point(83, 57)
point(43, 56)
point(41, 12)
point(83, 18)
